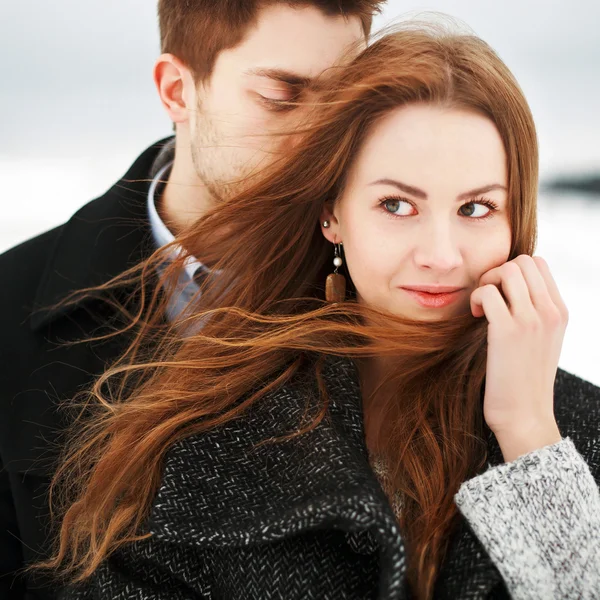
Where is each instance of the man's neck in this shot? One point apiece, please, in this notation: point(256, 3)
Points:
point(185, 198)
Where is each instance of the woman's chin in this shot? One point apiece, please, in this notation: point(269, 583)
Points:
point(418, 313)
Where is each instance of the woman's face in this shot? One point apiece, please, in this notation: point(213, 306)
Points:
point(424, 214)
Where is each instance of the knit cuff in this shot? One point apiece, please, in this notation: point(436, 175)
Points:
point(538, 517)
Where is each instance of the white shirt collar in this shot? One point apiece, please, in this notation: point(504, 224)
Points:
point(160, 232)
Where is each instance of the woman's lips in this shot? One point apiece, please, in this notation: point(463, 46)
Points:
point(430, 299)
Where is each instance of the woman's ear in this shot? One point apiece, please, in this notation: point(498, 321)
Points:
point(330, 226)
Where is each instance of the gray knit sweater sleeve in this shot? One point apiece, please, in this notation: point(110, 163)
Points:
point(538, 517)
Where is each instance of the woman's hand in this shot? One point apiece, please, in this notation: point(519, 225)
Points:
point(527, 321)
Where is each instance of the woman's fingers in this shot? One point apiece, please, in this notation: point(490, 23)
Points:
point(510, 280)
point(529, 288)
point(551, 286)
point(536, 285)
point(488, 301)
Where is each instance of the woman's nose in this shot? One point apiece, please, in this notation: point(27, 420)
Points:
point(436, 249)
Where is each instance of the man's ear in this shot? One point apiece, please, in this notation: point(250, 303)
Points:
point(330, 226)
point(176, 87)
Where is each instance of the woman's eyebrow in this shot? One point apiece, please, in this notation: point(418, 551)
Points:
point(482, 190)
point(403, 187)
point(414, 191)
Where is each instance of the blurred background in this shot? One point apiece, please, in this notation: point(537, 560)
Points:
point(77, 105)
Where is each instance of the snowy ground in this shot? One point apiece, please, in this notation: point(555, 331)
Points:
point(569, 239)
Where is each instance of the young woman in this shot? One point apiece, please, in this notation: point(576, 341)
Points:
point(407, 437)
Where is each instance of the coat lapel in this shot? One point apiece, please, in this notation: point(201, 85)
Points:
point(102, 240)
point(220, 489)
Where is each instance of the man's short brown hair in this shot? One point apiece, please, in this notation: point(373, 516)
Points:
point(196, 31)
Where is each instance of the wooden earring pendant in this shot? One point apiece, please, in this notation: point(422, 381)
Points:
point(335, 285)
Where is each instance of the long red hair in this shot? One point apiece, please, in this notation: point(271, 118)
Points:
point(262, 314)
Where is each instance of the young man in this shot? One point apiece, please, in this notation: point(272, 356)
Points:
point(224, 78)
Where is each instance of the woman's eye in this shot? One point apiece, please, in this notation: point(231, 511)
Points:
point(398, 207)
point(476, 210)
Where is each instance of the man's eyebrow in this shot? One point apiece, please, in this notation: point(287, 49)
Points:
point(409, 189)
point(287, 77)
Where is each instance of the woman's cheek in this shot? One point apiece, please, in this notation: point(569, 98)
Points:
point(370, 264)
point(489, 250)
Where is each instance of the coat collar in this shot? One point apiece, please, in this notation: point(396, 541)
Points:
point(219, 490)
point(102, 240)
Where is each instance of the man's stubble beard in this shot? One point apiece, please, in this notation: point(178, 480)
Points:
point(217, 166)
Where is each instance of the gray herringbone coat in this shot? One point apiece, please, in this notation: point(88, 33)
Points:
point(302, 520)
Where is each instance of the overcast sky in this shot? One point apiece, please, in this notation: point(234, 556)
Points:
point(78, 73)
point(66, 41)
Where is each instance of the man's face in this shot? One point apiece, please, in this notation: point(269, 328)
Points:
point(240, 104)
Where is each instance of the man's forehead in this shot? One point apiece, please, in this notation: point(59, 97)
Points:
point(299, 44)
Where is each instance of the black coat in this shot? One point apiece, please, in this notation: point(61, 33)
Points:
point(302, 520)
point(101, 240)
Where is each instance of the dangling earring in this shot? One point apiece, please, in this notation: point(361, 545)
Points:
point(335, 285)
